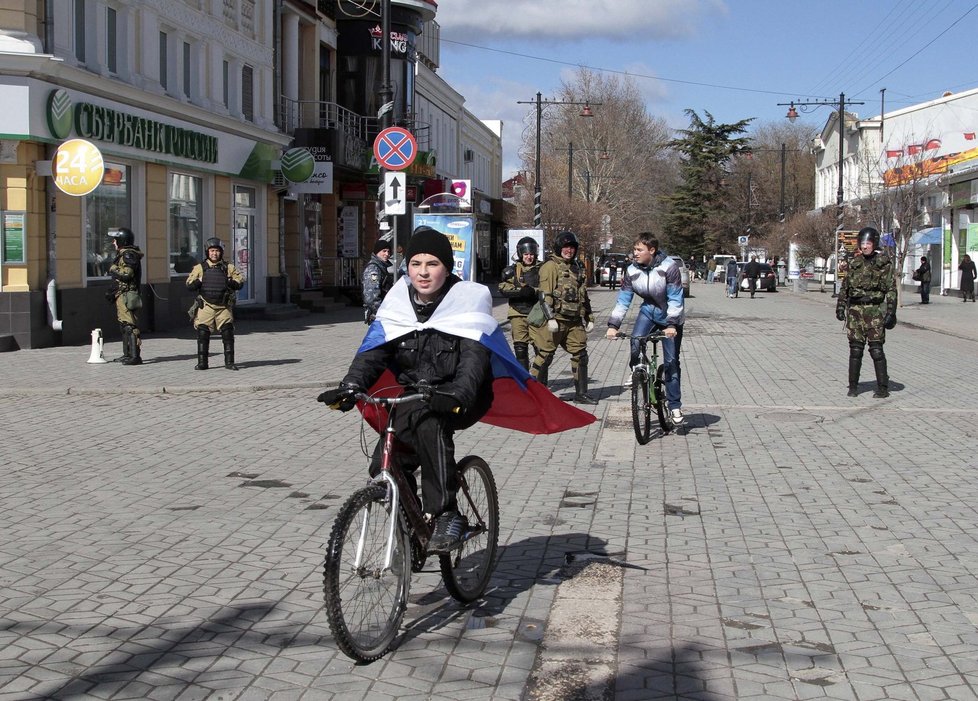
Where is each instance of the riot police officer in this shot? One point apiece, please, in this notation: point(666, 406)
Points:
point(377, 279)
point(126, 272)
point(563, 294)
point(519, 283)
point(867, 303)
point(216, 282)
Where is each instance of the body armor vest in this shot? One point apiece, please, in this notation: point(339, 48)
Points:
point(214, 283)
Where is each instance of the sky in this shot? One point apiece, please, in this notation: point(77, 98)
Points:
point(732, 58)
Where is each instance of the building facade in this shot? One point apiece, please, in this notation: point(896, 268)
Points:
point(178, 98)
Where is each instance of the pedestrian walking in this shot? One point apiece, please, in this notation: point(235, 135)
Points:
point(753, 271)
point(711, 270)
point(126, 272)
point(732, 271)
point(564, 298)
point(216, 283)
point(519, 284)
point(377, 279)
point(968, 275)
point(867, 303)
point(922, 275)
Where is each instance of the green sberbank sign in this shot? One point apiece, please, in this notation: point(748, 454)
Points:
point(106, 124)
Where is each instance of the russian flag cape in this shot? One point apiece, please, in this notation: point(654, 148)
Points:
point(519, 402)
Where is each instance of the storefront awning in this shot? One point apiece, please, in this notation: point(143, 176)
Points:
point(927, 237)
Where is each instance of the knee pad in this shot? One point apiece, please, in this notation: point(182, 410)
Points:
point(876, 351)
point(855, 349)
point(203, 332)
point(227, 331)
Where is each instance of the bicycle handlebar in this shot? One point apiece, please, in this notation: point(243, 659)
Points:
point(424, 394)
point(653, 336)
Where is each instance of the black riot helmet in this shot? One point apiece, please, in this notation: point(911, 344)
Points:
point(214, 243)
point(868, 233)
point(526, 245)
point(123, 237)
point(565, 238)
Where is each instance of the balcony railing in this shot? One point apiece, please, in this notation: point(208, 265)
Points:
point(310, 114)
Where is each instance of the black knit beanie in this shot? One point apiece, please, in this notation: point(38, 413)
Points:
point(382, 245)
point(434, 243)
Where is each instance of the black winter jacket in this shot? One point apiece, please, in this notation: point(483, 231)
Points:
point(452, 365)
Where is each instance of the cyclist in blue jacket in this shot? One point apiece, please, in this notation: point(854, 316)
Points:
point(657, 280)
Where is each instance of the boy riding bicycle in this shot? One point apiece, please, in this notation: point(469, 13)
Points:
point(656, 278)
point(456, 368)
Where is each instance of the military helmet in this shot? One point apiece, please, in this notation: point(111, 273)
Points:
point(214, 242)
point(527, 244)
point(565, 238)
point(123, 237)
point(868, 233)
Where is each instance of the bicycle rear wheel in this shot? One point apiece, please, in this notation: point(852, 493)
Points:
point(641, 408)
point(467, 570)
point(365, 602)
point(661, 407)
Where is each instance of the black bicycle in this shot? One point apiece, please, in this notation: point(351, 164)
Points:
point(380, 536)
point(648, 392)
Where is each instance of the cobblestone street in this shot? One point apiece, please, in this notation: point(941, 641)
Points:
point(165, 541)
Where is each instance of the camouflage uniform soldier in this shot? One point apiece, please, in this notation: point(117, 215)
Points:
point(216, 282)
point(563, 292)
point(519, 284)
point(126, 272)
point(868, 293)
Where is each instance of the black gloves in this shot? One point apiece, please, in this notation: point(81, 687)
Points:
point(195, 285)
point(840, 313)
point(444, 404)
point(889, 321)
point(234, 284)
point(114, 274)
point(527, 293)
point(342, 398)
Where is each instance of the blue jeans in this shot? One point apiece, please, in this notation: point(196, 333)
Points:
point(731, 284)
point(670, 354)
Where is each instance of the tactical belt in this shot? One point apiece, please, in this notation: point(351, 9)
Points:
point(864, 300)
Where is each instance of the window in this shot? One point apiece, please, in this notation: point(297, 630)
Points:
point(107, 208)
point(163, 58)
point(226, 72)
point(187, 70)
point(248, 93)
point(80, 30)
point(186, 208)
point(111, 44)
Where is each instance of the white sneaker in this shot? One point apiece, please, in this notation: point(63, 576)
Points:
point(677, 416)
point(627, 382)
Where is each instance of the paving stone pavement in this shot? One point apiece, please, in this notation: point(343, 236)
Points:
point(164, 528)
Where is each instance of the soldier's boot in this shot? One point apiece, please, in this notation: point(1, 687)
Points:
point(203, 347)
point(541, 368)
point(126, 354)
point(882, 378)
point(580, 395)
point(135, 358)
point(522, 353)
point(227, 337)
point(855, 364)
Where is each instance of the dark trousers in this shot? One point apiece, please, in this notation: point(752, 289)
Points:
point(925, 293)
point(430, 437)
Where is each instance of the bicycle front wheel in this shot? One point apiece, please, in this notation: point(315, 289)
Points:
point(467, 570)
point(661, 407)
point(641, 408)
point(365, 601)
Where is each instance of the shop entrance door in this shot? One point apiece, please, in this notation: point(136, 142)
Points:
point(244, 238)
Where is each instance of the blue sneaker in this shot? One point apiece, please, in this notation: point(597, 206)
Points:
point(449, 529)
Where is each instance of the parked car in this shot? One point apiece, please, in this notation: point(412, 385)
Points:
point(684, 272)
point(618, 259)
point(766, 281)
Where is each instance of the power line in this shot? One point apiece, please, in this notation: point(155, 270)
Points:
point(781, 93)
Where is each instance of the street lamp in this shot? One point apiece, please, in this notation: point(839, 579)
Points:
point(792, 115)
point(540, 104)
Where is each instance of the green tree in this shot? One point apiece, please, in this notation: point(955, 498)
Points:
point(697, 212)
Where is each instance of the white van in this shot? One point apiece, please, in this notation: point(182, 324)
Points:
point(722, 259)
